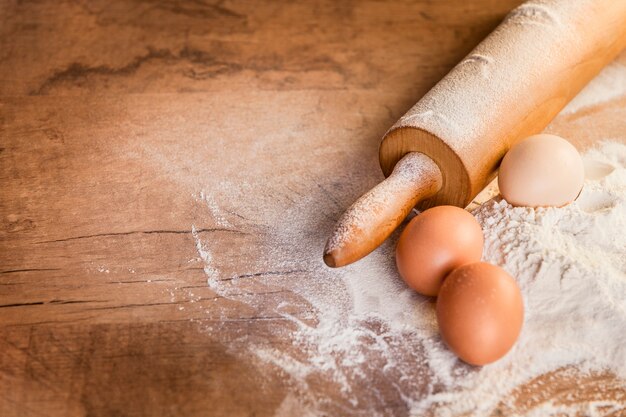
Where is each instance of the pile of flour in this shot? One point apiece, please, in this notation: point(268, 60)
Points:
point(571, 265)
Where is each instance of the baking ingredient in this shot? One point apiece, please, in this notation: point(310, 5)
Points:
point(480, 312)
point(542, 170)
point(434, 243)
point(608, 85)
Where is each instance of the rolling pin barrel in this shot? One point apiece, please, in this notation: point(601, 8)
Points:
point(509, 87)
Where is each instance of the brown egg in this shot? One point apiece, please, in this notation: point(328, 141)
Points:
point(480, 312)
point(434, 243)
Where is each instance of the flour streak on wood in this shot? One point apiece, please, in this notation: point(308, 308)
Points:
point(114, 116)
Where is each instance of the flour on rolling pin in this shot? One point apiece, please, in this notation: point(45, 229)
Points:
point(459, 115)
point(413, 172)
point(484, 104)
point(508, 88)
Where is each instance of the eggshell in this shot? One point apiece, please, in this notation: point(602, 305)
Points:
point(480, 312)
point(542, 170)
point(434, 243)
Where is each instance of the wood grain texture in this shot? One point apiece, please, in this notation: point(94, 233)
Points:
point(116, 115)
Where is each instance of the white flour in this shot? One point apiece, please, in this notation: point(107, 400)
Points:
point(357, 338)
point(367, 326)
point(571, 266)
point(609, 84)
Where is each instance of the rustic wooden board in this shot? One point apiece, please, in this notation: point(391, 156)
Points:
point(116, 115)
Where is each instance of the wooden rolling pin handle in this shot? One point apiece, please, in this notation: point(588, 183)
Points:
point(374, 216)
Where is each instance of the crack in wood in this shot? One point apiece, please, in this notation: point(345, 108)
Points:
point(36, 303)
point(22, 304)
point(37, 323)
point(15, 271)
point(217, 297)
point(143, 281)
point(146, 232)
point(255, 318)
point(234, 213)
point(130, 306)
point(260, 293)
point(77, 301)
point(61, 302)
point(193, 286)
point(260, 274)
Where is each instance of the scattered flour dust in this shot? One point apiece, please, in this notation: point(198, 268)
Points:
point(371, 334)
point(608, 85)
point(206, 257)
point(370, 346)
point(218, 217)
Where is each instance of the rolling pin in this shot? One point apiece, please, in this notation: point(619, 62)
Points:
point(448, 146)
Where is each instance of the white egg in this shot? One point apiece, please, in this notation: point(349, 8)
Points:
point(542, 170)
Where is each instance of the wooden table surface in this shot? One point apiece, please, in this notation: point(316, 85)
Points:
point(124, 125)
